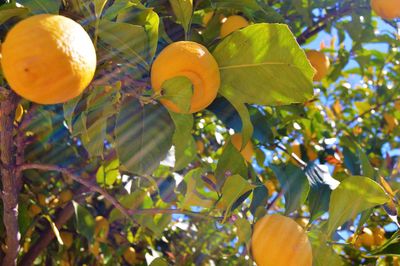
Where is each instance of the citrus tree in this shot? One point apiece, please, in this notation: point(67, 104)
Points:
point(208, 132)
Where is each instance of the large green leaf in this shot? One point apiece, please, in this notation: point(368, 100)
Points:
point(178, 90)
point(234, 187)
point(84, 221)
point(131, 40)
point(143, 135)
point(263, 64)
point(354, 195)
point(11, 10)
point(294, 184)
point(185, 147)
point(183, 10)
point(42, 6)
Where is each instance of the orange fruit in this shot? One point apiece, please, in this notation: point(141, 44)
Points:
point(102, 227)
point(379, 235)
point(67, 238)
point(365, 238)
point(199, 146)
point(270, 186)
point(191, 60)
point(279, 241)
point(130, 256)
point(320, 63)
point(386, 9)
point(248, 150)
point(233, 23)
point(48, 59)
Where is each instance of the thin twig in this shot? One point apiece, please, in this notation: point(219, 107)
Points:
point(95, 188)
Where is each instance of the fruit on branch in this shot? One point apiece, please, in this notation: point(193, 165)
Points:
point(102, 227)
point(248, 150)
point(190, 60)
point(320, 63)
point(278, 240)
point(386, 9)
point(48, 59)
point(365, 238)
point(379, 235)
point(200, 146)
point(130, 256)
point(231, 24)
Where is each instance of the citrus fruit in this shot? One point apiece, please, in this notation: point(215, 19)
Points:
point(365, 238)
point(248, 150)
point(386, 9)
point(67, 238)
point(191, 60)
point(130, 255)
point(379, 235)
point(233, 23)
point(320, 63)
point(48, 59)
point(279, 241)
point(101, 228)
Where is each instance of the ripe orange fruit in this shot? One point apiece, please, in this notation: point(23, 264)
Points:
point(67, 238)
point(248, 150)
point(320, 63)
point(379, 235)
point(199, 146)
point(386, 9)
point(130, 256)
point(365, 238)
point(233, 23)
point(279, 241)
point(101, 228)
point(191, 60)
point(48, 59)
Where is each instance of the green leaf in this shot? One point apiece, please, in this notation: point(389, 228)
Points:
point(10, 10)
point(159, 262)
point(99, 6)
point(247, 126)
point(178, 90)
point(131, 201)
point(323, 255)
point(130, 40)
point(263, 64)
point(234, 187)
point(185, 147)
point(231, 162)
point(237, 4)
point(193, 197)
point(294, 184)
point(108, 174)
point(42, 6)
point(243, 230)
point(143, 136)
point(84, 221)
point(354, 195)
point(183, 10)
point(69, 108)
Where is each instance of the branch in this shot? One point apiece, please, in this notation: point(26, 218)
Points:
point(8, 180)
point(90, 185)
point(48, 235)
point(95, 188)
point(322, 23)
